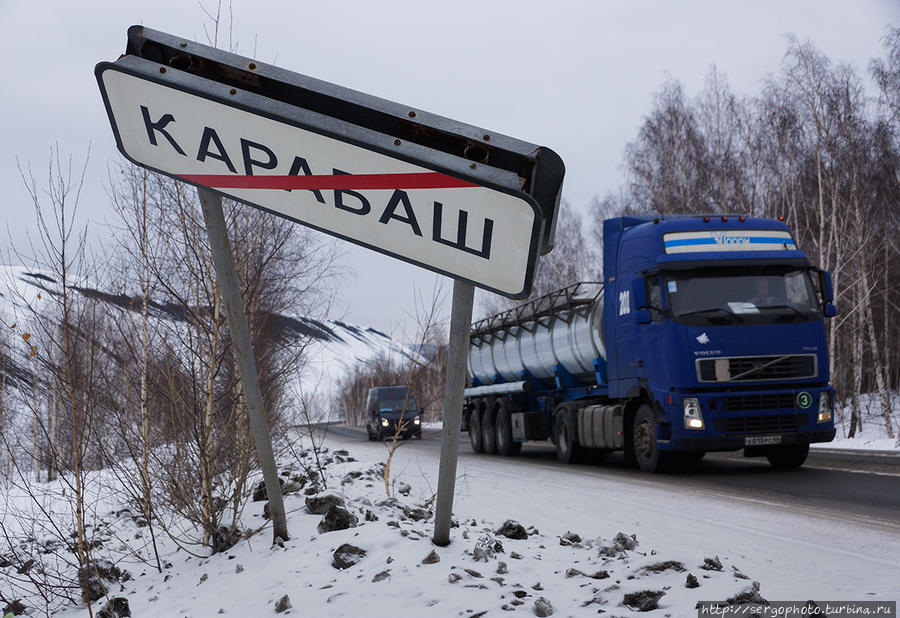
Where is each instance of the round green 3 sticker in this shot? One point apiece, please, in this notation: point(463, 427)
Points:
point(804, 400)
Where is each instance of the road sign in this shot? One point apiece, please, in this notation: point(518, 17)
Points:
point(455, 199)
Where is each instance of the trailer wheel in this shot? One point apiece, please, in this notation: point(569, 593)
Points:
point(506, 446)
point(788, 457)
point(567, 449)
point(488, 437)
point(475, 430)
point(646, 449)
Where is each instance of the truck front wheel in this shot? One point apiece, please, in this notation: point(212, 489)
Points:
point(646, 449)
point(787, 457)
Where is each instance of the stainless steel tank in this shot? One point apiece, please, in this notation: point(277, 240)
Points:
point(564, 328)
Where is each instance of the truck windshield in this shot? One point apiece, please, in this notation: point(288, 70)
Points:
point(396, 405)
point(726, 296)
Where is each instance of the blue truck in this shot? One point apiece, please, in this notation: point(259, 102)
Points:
point(707, 333)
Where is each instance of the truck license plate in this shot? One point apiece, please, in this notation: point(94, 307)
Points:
point(761, 440)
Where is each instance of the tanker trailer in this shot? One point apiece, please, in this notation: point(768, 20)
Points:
point(676, 353)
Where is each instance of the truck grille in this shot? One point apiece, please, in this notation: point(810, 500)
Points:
point(756, 368)
point(763, 401)
point(761, 424)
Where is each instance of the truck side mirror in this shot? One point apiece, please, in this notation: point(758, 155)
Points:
point(827, 287)
point(829, 310)
point(642, 316)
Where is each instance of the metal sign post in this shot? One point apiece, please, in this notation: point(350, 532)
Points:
point(460, 323)
point(243, 351)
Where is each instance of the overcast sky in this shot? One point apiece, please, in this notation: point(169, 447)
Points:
point(578, 77)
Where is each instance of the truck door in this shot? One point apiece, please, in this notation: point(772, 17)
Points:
point(640, 333)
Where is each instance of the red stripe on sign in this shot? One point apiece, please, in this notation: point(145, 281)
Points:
point(424, 180)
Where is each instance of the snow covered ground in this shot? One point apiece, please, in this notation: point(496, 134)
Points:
point(593, 546)
point(873, 436)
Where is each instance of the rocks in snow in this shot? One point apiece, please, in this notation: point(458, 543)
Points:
point(626, 542)
point(116, 608)
point(569, 538)
point(543, 607)
point(691, 582)
point(224, 538)
point(319, 505)
point(431, 558)
point(416, 513)
point(512, 530)
point(381, 576)
point(749, 595)
point(486, 548)
point(712, 564)
point(643, 601)
point(622, 542)
point(92, 586)
point(259, 492)
point(346, 556)
point(669, 565)
point(336, 518)
point(283, 604)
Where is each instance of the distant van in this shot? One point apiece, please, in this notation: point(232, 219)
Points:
point(390, 406)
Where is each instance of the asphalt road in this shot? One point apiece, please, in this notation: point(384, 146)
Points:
point(863, 490)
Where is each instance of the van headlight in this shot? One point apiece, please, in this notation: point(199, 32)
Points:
point(693, 419)
point(824, 407)
point(416, 421)
point(384, 422)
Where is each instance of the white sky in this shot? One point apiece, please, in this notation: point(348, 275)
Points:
point(575, 76)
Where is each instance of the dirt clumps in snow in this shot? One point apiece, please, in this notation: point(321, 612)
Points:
point(283, 604)
point(116, 608)
point(621, 543)
point(569, 538)
point(643, 601)
point(336, 518)
point(512, 530)
point(712, 564)
point(668, 565)
point(346, 556)
point(431, 558)
point(486, 548)
point(319, 504)
point(748, 595)
point(543, 607)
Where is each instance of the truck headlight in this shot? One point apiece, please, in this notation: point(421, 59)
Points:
point(693, 419)
point(416, 421)
point(824, 407)
point(384, 422)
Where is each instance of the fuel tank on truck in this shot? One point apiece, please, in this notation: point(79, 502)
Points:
point(562, 328)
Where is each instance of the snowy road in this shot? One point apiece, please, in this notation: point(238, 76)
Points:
point(813, 533)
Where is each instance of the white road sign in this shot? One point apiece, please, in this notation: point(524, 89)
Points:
point(446, 223)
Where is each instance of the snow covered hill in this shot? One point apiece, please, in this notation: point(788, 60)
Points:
point(336, 345)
